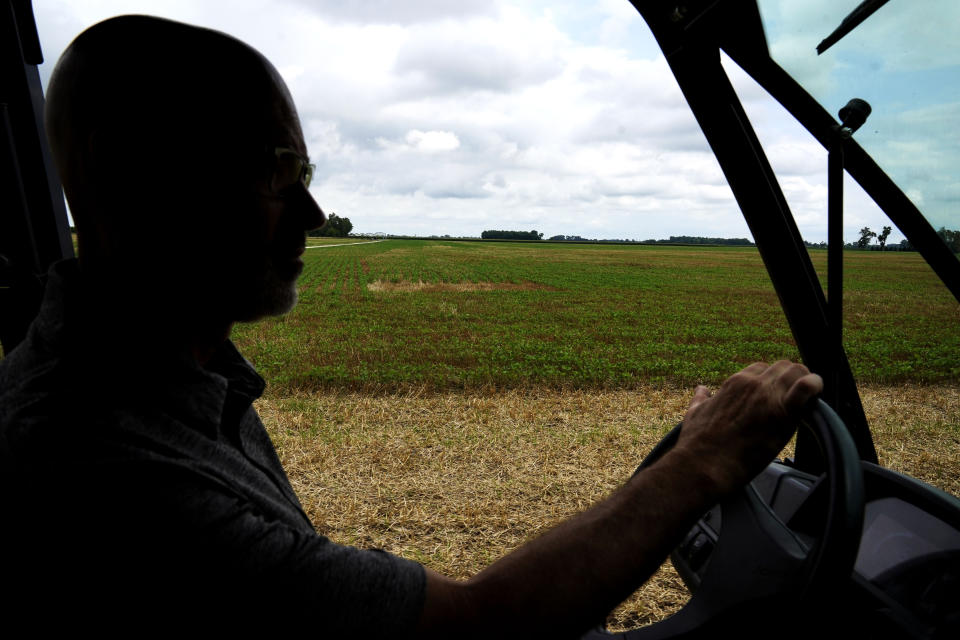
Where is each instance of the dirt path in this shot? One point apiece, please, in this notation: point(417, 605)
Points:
point(345, 244)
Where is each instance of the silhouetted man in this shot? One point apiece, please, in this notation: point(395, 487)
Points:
point(142, 490)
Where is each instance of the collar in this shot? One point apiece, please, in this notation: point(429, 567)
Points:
point(110, 364)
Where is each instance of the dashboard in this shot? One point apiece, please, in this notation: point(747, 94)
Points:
point(906, 577)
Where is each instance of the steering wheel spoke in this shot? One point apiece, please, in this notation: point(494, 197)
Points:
point(769, 562)
point(751, 559)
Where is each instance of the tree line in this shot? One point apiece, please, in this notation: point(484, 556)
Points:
point(511, 235)
point(336, 227)
point(702, 240)
point(867, 236)
point(950, 237)
point(670, 240)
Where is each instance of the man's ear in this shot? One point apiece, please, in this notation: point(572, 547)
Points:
point(115, 185)
point(115, 176)
point(110, 156)
point(99, 168)
point(97, 158)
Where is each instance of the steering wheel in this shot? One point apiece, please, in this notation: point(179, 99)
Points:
point(758, 565)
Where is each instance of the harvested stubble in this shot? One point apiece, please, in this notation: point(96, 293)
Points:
point(456, 480)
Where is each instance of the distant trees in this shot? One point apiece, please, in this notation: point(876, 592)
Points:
point(951, 238)
point(882, 238)
point(336, 227)
point(702, 240)
point(737, 242)
point(511, 235)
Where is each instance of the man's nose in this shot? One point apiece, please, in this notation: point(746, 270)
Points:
point(312, 214)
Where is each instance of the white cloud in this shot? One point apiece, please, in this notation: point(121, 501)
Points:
point(505, 54)
point(393, 12)
point(432, 140)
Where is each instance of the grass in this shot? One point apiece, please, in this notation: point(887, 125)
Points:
point(399, 314)
point(448, 401)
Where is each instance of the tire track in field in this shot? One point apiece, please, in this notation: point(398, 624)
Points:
point(340, 275)
point(345, 244)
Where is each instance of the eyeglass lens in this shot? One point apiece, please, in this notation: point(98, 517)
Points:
point(290, 169)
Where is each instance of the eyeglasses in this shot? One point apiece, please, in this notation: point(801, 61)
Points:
point(290, 168)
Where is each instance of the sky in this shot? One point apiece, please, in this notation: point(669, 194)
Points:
point(432, 117)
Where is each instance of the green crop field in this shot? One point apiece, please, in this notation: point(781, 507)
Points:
point(440, 315)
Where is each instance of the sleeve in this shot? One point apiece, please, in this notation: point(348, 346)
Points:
point(274, 564)
point(174, 548)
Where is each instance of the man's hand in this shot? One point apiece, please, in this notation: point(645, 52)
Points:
point(738, 430)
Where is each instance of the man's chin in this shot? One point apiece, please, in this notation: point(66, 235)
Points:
point(269, 299)
point(284, 300)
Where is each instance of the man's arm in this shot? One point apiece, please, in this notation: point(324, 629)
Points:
point(566, 581)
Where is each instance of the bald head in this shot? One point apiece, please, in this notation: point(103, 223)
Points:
point(165, 136)
point(137, 101)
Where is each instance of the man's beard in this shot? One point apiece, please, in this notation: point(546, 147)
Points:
point(268, 294)
point(274, 297)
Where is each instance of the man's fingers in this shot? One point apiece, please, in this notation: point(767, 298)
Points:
point(795, 382)
point(756, 368)
point(701, 394)
point(780, 368)
point(802, 390)
point(783, 374)
point(788, 384)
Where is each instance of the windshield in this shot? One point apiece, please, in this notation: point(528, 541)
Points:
point(906, 64)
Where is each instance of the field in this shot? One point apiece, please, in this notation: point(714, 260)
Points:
point(397, 315)
point(449, 400)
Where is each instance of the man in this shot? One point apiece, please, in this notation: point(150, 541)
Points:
point(140, 487)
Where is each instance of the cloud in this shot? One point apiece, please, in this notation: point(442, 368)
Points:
point(432, 140)
point(394, 12)
point(479, 54)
